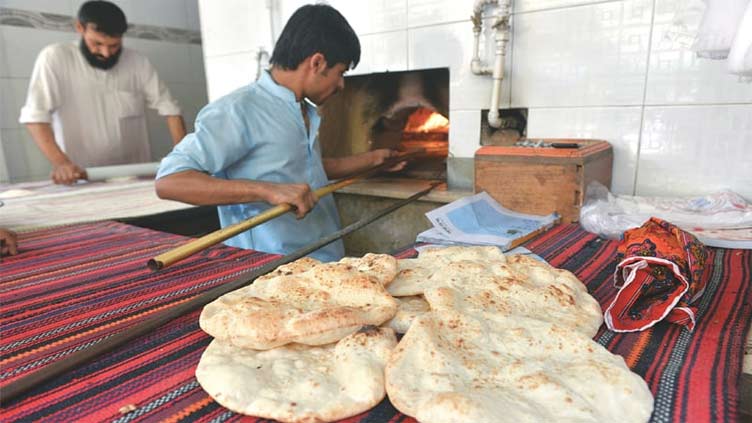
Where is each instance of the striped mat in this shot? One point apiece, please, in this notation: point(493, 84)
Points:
point(73, 286)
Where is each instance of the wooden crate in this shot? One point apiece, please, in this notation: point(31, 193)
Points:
point(543, 180)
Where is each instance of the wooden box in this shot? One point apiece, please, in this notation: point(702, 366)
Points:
point(541, 180)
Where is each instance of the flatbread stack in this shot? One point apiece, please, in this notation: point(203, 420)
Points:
point(507, 339)
point(301, 344)
point(488, 338)
point(307, 303)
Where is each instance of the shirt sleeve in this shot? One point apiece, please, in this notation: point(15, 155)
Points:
point(44, 95)
point(157, 94)
point(220, 139)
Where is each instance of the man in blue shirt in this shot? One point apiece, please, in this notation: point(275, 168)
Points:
point(258, 146)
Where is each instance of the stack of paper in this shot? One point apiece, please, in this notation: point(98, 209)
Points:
point(480, 220)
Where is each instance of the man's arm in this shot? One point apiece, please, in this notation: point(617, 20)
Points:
point(176, 126)
point(346, 166)
point(64, 171)
point(194, 187)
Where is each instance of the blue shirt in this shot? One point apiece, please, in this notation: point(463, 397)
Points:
point(257, 132)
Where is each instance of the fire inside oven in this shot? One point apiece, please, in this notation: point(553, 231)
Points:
point(406, 111)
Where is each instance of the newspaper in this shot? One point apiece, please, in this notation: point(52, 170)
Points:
point(480, 220)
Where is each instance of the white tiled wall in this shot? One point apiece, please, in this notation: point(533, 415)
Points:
point(180, 65)
point(585, 68)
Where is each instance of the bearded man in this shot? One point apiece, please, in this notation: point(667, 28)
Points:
point(86, 100)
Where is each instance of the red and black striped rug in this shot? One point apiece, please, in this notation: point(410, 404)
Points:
point(71, 287)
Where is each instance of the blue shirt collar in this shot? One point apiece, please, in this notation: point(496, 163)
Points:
point(267, 82)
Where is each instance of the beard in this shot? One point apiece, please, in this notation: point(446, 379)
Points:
point(97, 61)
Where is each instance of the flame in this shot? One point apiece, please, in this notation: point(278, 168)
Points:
point(424, 120)
point(434, 122)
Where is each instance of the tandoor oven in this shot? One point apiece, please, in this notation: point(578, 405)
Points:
point(399, 110)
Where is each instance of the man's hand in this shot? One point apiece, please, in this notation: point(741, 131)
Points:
point(299, 195)
point(8, 242)
point(382, 154)
point(67, 173)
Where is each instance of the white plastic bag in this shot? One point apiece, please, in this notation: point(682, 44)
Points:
point(610, 215)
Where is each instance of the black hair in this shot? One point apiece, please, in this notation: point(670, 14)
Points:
point(316, 28)
point(106, 17)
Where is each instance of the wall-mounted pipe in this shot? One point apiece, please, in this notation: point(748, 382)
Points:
point(476, 65)
point(501, 37)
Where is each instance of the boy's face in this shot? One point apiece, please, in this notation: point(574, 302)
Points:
point(326, 82)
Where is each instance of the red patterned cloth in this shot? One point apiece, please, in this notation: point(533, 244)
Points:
point(71, 287)
point(661, 274)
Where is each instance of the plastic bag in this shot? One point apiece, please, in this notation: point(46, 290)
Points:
point(609, 215)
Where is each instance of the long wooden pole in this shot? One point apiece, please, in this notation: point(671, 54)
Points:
point(192, 247)
point(82, 356)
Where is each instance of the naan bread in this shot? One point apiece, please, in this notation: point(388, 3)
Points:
point(415, 275)
point(409, 309)
point(452, 367)
point(298, 266)
point(318, 306)
point(544, 293)
point(298, 383)
point(382, 267)
point(516, 285)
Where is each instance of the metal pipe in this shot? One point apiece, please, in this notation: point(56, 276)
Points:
point(501, 36)
point(476, 64)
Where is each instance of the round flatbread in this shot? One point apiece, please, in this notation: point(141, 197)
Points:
point(409, 309)
point(416, 275)
point(318, 306)
point(299, 383)
point(452, 367)
point(382, 267)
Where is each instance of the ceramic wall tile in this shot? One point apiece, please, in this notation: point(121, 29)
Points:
point(228, 73)
point(23, 159)
point(196, 70)
point(620, 126)
point(373, 16)
point(451, 46)
point(169, 13)
point(431, 12)
point(57, 7)
point(12, 98)
point(236, 26)
point(464, 132)
point(33, 40)
point(4, 176)
point(581, 56)
point(193, 21)
point(286, 9)
point(172, 61)
point(677, 76)
point(521, 6)
point(160, 141)
point(192, 99)
point(385, 52)
point(694, 150)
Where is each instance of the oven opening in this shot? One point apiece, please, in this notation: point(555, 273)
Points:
point(406, 111)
